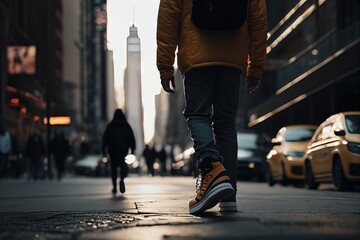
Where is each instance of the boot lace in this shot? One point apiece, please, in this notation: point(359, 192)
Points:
point(202, 182)
point(199, 181)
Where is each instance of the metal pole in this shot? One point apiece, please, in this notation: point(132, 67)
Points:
point(49, 68)
point(3, 65)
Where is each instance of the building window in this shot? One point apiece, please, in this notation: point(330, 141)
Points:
point(347, 12)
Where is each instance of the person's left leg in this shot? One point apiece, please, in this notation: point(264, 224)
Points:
point(199, 89)
point(123, 175)
point(123, 169)
point(58, 167)
point(226, 99)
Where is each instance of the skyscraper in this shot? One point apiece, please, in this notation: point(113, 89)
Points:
point(132, 85)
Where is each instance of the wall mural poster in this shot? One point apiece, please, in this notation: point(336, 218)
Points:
point(21, 60)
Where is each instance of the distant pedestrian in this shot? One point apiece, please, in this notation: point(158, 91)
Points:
point(118, 138)
point(149, 155)
point(59, 147)
point(212, 55)
point(162, 156)
point(5, 150)
point(35, 151)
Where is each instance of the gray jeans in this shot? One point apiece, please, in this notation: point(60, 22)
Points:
point(212, 96)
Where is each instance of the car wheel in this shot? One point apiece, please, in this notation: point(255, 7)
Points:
point(285, 179)
point(339, 178)
point(309, 177)
point(270, 179)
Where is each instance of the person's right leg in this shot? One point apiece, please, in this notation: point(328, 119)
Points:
point(152, 167)
point(226, 100)
point(2, 165)
point(114, 167)
point(58, 168)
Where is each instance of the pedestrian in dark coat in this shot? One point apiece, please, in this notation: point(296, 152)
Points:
point(149, 155)
point(5, 151)
point(35, 151)
point(118, 138)
point(60, 149)
point(162, 158)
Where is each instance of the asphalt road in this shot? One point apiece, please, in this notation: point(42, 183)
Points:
point(157, 208)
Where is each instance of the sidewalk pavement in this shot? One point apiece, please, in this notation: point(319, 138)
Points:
point(157, 208)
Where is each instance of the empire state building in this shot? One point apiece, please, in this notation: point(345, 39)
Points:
point(132, 86)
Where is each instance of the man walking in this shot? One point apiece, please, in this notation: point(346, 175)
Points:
point(35, 151)
point(5, 150)
point(149, 155)
point(60, 148)
point(212, 62)
point(118, 138)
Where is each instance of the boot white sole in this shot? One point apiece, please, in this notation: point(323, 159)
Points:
point(215, 195)
point(227, 207)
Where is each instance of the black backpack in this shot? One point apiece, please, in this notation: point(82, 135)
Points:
point(219, 14)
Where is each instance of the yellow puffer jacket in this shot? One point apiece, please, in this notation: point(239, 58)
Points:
point(244, 48)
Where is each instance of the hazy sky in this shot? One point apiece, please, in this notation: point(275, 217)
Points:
point(143, 13)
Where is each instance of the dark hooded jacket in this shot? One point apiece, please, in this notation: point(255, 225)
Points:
point(118, 136)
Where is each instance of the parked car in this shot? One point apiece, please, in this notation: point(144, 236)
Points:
point(185, 163)
point(333, 154)
point(251, 157)
point(92, 165)
point(285, 159)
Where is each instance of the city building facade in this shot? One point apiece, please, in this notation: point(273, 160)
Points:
point(71, 57)
point(313, 66)
point(53, 58)
point(31, 65)
point(93, 78)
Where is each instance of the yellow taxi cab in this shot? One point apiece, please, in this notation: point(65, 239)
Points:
point(285, 160)
point(333, 153)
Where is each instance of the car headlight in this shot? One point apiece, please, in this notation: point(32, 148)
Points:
point(244, 153)
point(273, 152)
point(130, 159)
point(294, 154)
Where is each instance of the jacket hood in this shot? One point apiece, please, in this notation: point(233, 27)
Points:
point(119, 116)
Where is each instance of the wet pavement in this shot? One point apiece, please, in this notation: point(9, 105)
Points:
point(156, 208)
